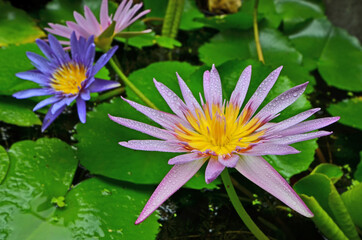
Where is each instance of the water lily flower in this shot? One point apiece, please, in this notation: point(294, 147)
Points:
point(65, 78)
point(106, 28)
point(224, 135)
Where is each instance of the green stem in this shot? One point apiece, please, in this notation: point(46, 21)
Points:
point(239, 207)
point(256, 32)
point(172, 18)
point(114, 92)
point(131, 85)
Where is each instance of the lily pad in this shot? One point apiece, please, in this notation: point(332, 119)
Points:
point(12, 61)
point(4, 163)
point(18, 112)
point(350, 111)
point(332, 171)
point(240, 20)
point(352, 200)
point(38, 172)
point(16, 26)
point(358, 173)
point(99, 209)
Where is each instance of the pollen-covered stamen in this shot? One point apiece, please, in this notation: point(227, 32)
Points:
point(68, 78)
point(220, 130)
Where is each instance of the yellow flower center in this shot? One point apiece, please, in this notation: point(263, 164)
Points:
point(220, 130)
point(68, 78)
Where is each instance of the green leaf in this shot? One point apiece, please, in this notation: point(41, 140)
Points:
point(336, 53)
point(18, 112)
point(4, 163)
point(332, 171)
point(16, 26)
point(322, 189)
point(158, 8)
point(239, 20)
point(190, 13)
point(99, 209)
point(295, 12)
point(266, 9)
point(322, 220)
point(167, 42)
point(38, 172)
point(352, 200)
point(350, 111)
point(358, 174)
point(12, 61)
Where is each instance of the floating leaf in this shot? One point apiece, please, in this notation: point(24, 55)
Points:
point(190, 13)
point(4, 163)
point(99, 209)
point(12, 61)
point(38, 172)
point(332, 171)
point(352, 200)
point(18, 112)
point(350, 111)
point(16, 26)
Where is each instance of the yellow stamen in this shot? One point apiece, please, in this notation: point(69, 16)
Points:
point(68, 78)
point(220, 130)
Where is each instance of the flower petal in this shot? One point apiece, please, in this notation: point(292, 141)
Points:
point(143, 127)
point(31, 93)
point(189, 98)
point(153, 145)
point(299, 137)
point(45, 102)
point(215, 89)
point(104, 18)
point(281, 102)
point(78, 29)
point(59, 30)
point(173, 181)
point(185, 158)
point(173, 101)
point(241, 88)
point(59, 53)
point(92, 21)
point(81, 107)
point(34, 76)
point(213, 170)
point(270, 149)
point(100, 85)
point(308, 126)
point(259, 171)
point(229, 162)
point(206, 84)
point(50, 117)
point(104, 59)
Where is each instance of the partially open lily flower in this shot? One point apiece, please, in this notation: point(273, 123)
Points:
point(65, 78)
point(106, 28)
point(225, 135)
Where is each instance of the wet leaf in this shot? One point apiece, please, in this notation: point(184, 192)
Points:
point(350, 111)
point(239, 20)
point(190, 13)
point(16, 26)
point(358, 174)
point(4, 163)
point(332, 171)
point(18, 112)
point(352, 200)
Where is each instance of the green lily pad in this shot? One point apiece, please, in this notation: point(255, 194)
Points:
point(332, 171)
point(240, 20)
point(38, 172)
point(190, 13)
point(4, 163)
point(322, 189)
point(16, 26)
point(350, 111)
point(18, 112)
point(12, 61)
point(99, 209)
point(352, 200)
point(358, 173)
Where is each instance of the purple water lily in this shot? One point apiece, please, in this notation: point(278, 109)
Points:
point(88, 25)
point(225, 135)
point(65, 78)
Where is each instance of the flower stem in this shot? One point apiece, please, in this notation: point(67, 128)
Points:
point(256, 32)
point(172, 18)
point(115, 92)
point(239, 207)
point(131, 85)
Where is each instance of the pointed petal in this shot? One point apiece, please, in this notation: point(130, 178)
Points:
point(213, 170)
point(185, 158)
point(100, 85)
point(270, 149)
point(41, 63)
point(60, 30)
point(239, 93)
point(143, 127)
point(262, 91)
point(45, 102)
point(282, 101)
point(299, 137)
point(308, 126)
point(59, 53)
point(92, 21)
point(259, 171)
point(31, 93)
point(173, 181)
point(153, 145)
point(78, 29)
point(81, 107)
point(173, 101)
point(229, 162)
point(104, 59)
point(190, 100)
point(215, 89)
point(45, 48)
point(104, 18)
point(34, 76)
point(206, 85)
point(50, 117)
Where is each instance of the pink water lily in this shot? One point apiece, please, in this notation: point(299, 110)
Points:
point(88, 25)
point(224, 135)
